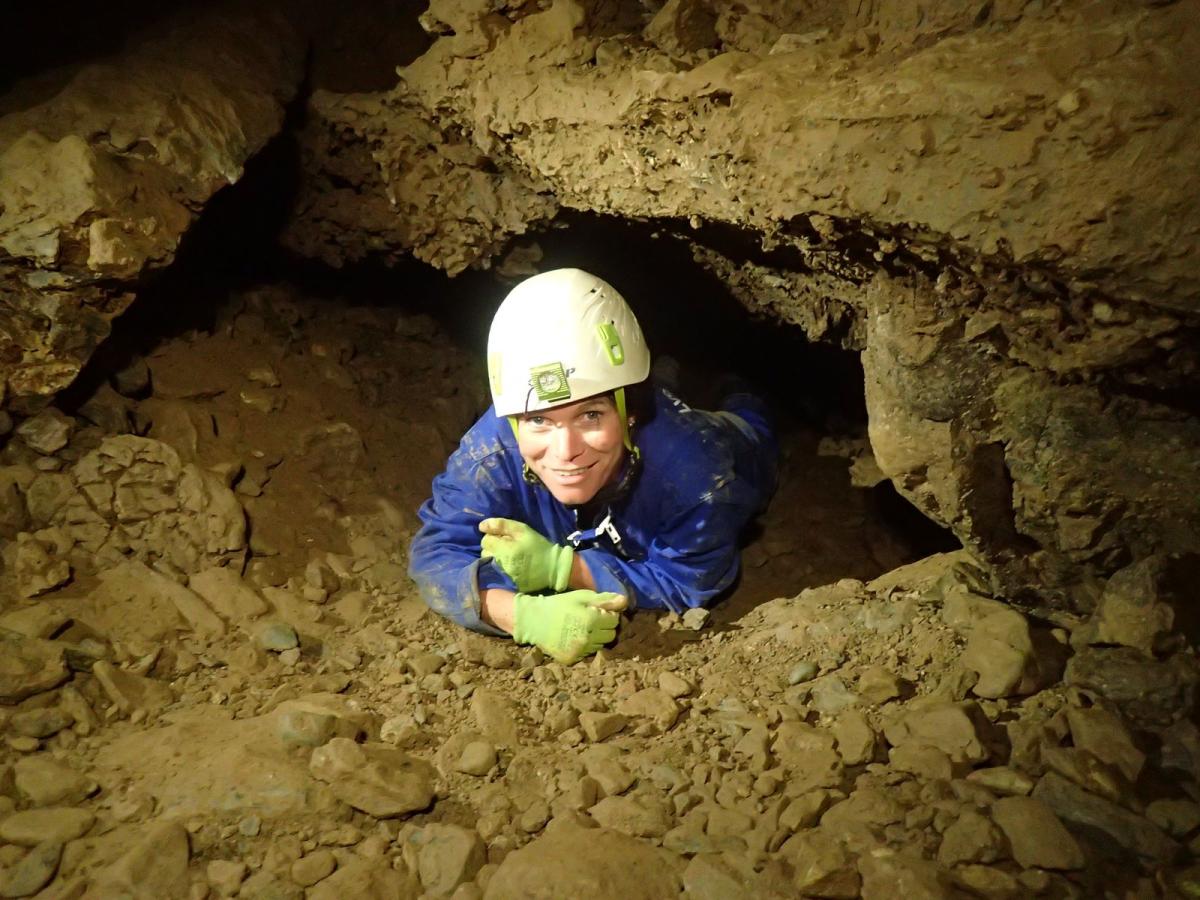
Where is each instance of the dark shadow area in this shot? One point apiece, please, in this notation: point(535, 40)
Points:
point(49, 41)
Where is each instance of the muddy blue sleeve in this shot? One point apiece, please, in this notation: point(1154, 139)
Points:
point(694, 554)
point(444, 556)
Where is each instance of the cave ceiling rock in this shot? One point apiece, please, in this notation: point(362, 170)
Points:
point(1059, 142)
point(99, 182)
point(385, 180)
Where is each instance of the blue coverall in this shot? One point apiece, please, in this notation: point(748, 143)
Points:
point(703, 476)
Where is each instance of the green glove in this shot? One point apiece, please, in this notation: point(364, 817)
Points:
point(567, 626)
point(526, 557)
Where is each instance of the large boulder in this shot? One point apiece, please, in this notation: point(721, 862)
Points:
point(99, 182)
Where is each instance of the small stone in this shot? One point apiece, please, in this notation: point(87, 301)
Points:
point(22, 743)
point(1000, 651)
point(599, 726)
point(877, 685)
point(1177, 818)
point(264, 375)
point(259, 399)
point(855, 738)
point(313, 867)
point(636, 816)
point(373, 778)
point(985, 881)
point(531, 658)
point(47, 432)
point(33, 872)
point(250, 826)
point(277, 637)
point(945, 726)
point(446, 856)
point(1103, 734)
point(131, 692)
point(225, 876)
point(805, 811)
point(29, 667)
point(497, 656)
point(1137, 606)
point(1073, 804)
point(80, 711)
point(495, 717)
point(40, 723)
point(399, 730)
point(927, 763)
point(1038, 838)
point(534, 817)
point(46, 782)
point(895, 875)
point(290, 657)
point(359, 878)
point(424, 664)
point(651, 703)
point(306, 728)
point(344, 835)
point(971, 838)
point(228, 594)
point(696, 618)
point(803, 671)
point(132, 380)
point(822, 864)
point(477, 758)
point(607, 771)
point(709, 877)
point(320, 574)
point(1003, 780)
point(154, 865)
point(571, 861)
point(54, 825)
point(829, 695)
point(673, 685)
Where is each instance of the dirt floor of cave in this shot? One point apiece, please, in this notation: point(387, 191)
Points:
point(327, 423)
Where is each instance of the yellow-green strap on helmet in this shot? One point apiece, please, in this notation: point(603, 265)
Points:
point(619, 398)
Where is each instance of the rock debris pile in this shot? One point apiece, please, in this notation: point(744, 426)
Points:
point(216, 681)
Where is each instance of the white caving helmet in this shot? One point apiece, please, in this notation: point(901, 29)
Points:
point(563, 336)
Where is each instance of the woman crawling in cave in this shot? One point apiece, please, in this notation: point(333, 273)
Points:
point(594, 490)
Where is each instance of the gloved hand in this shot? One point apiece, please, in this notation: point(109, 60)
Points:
point(567, 626)
point(525, 556)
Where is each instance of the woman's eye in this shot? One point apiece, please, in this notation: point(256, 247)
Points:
point(592, 416)
point(536, 421)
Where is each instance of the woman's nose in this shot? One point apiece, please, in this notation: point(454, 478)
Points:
point(567, 444)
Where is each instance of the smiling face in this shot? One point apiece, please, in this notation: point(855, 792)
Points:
point(575, 449)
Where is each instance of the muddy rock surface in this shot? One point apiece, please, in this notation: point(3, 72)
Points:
point(258, 705)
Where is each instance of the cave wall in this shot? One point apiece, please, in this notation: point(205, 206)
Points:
point(100, 181)
point(996, 203)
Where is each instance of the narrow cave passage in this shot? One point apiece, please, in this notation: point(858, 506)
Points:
point(234, 296)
